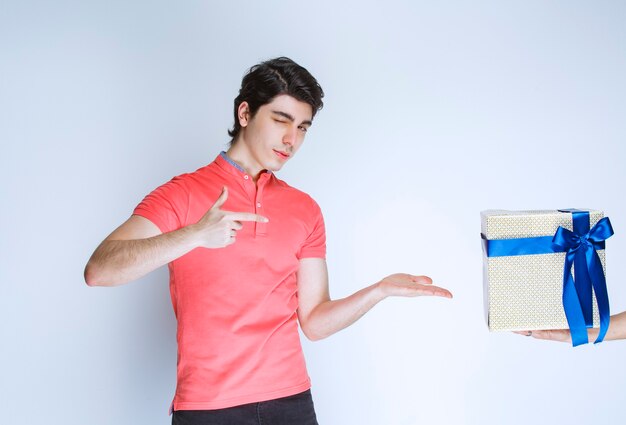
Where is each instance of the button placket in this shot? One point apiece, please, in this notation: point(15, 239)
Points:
point(249, 187)
point(249, 193)
point(260, 228)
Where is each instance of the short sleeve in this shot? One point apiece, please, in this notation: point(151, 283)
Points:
point(315, 244)
point(166, 206)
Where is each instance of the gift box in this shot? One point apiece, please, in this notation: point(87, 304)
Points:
point(545, 270)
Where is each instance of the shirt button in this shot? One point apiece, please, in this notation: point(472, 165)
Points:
point(258, 205)
point(246, 177)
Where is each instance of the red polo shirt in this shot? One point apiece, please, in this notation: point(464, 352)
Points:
point(236, 306)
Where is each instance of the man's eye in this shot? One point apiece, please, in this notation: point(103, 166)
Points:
point(303, 129)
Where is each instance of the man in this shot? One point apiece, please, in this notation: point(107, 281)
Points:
point(246, 259)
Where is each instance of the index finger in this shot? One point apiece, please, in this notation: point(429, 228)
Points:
point(243, 216)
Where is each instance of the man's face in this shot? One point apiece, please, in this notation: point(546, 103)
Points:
point(276, 131)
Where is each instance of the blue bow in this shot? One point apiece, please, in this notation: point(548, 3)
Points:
point(580, 247)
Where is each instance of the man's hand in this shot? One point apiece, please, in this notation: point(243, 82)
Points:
point(319, 316)
point(218, 228)
point(406, 285)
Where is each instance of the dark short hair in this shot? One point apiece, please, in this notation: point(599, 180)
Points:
point(274, 77)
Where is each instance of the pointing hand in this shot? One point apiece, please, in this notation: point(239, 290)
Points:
point(218, 228)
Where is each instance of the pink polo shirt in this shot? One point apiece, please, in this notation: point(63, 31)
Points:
point(236, 306)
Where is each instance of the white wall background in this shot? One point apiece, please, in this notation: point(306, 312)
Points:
point(434, 112)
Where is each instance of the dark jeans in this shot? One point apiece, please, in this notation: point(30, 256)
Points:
point(297, 409)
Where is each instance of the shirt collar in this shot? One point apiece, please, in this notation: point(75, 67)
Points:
point(231, 162)
point(223, 159)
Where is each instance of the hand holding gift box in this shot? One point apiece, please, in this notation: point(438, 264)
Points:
point(617, 330)
point(545, 270)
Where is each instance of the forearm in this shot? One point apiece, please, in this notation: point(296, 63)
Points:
point(120, 261)
point(617, 328)
point(320, 317)
point(334, 315)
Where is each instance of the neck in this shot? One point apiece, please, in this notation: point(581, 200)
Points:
point(240, 154)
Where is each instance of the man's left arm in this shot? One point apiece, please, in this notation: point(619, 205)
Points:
point(321, 317)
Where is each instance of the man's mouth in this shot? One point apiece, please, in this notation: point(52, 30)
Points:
point(281, 154)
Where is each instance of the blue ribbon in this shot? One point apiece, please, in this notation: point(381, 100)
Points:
point(581, 247)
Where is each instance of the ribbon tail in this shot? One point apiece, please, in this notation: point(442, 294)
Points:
point(582, 281)
point(599, 286)
point(571, 305)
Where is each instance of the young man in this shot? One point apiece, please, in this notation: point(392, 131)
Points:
point(246, 259)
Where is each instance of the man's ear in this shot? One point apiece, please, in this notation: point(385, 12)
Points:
point(243, 113)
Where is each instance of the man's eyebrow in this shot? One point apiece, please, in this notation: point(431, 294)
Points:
point(291, 118)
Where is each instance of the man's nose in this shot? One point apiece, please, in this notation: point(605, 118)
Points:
point(290, 136)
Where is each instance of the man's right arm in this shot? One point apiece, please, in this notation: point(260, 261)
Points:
point(135, 249)
point(138, 247)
